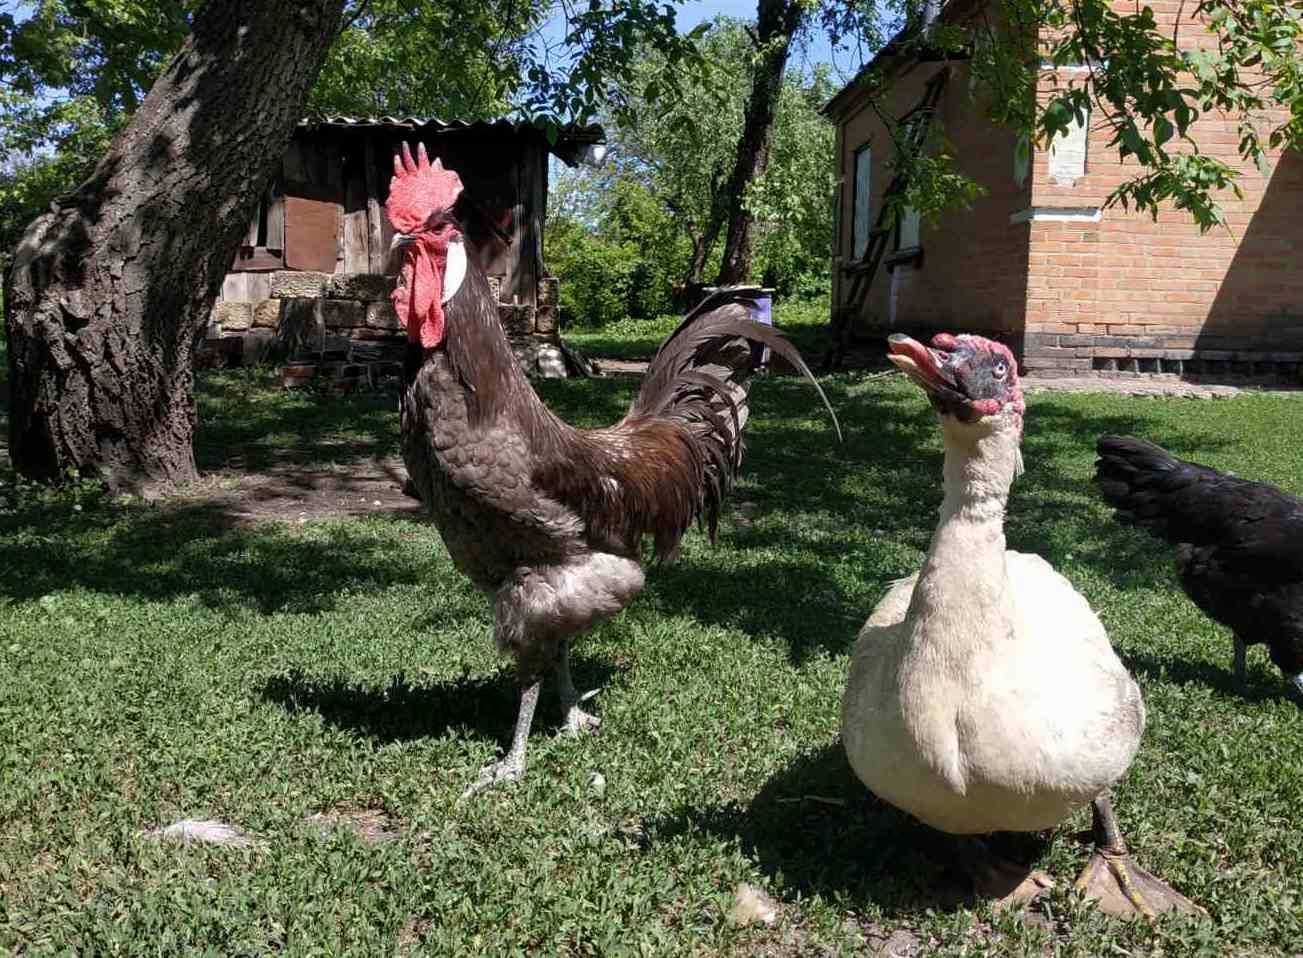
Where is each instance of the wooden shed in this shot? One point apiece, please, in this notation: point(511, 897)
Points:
point(314, 272)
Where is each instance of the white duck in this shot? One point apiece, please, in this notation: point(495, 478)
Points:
point(983, 693)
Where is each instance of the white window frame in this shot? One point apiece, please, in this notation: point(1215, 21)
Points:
point(861, 201)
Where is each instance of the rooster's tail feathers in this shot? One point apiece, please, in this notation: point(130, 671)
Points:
point(699, 377)
point(711, 350)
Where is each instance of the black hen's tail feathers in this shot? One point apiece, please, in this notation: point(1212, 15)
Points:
point(1186, 503)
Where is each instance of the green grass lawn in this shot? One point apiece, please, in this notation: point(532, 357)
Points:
point(803, 322)
point(166, 662)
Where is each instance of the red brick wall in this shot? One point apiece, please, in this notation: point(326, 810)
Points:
point(973, 269)
point(1134, 294)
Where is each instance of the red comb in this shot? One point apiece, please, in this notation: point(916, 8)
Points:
point(419, 189)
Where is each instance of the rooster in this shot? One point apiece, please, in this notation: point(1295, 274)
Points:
point(1239, 542)
point(546, 519)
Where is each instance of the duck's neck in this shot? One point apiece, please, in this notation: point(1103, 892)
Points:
point(963, 595)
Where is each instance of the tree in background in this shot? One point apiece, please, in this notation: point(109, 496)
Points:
point(650, 221)
point(679, 149)
point(108, 290)
point(777, 24)
point(414, 58)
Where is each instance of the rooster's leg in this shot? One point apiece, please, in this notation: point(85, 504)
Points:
point(1112, 877)
point(1241, 650)
point(576, 719)
point(511, 768)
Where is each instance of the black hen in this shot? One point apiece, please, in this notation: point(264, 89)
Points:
point(1239, 543)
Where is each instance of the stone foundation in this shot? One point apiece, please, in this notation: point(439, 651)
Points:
point(340, 331)
point(1169, 353)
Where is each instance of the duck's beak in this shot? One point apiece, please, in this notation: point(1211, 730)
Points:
point(926, 366)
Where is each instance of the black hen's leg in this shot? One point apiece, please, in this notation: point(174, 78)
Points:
point(1112, 877)
point(576, 719)
point(511, 768)
point(1241, 667)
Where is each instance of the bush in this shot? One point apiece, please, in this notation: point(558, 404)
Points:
point(608, 278)
point(596, 277)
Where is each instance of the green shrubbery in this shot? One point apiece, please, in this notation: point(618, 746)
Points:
point(628, 239)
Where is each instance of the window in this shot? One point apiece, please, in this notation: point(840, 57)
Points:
point(860, 225)
point(907, 236)
point(263, 246)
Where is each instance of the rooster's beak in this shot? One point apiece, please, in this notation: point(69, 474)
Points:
point(400, 240)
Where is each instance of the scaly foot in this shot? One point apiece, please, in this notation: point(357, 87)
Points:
point(1124, 889)
point(577, 721)
point(495, 773)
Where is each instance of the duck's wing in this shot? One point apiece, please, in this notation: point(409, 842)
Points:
point(893, 606)
point(1048, 603)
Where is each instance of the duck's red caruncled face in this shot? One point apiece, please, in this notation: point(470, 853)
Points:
point(967, 376)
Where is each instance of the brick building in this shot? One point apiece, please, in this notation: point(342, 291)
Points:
point(1074, 287)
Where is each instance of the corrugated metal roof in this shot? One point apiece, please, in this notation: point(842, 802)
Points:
point(591, 133)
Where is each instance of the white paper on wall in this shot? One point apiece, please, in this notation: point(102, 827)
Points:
point(1068, 154)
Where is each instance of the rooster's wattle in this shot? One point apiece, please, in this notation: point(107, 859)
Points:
point(546, 519)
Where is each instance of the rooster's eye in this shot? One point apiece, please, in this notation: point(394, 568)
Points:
point(1000, 369)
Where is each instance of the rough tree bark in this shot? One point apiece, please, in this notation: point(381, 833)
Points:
point(776, 23)
point(109, 292)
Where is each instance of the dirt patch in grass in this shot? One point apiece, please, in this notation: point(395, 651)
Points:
point(374, 826)
point(290, 493)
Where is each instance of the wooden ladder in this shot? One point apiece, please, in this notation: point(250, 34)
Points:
point(917, 123)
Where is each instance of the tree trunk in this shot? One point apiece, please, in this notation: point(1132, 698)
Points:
point(109, 292)
point(704, 242)
point(776, 22)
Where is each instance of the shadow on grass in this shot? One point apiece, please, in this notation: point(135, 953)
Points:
point(198, 550)
point(815, 829)
point(401, 711)
point(247, 423)
point(1261, 685)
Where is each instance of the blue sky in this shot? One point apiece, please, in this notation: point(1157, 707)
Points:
point(844, 61)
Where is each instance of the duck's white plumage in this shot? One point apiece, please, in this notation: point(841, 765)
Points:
point(983, 693)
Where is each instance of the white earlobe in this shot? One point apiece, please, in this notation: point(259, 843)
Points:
point(454, 271)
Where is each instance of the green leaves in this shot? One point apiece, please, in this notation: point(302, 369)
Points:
point(403, 57)
point(675, 148)
point(1152, 85)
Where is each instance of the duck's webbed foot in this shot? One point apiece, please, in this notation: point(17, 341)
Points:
point(576, 719)
point(510, 768)
point(1113, 878)
point(1000, 879)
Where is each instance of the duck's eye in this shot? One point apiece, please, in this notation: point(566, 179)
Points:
point(1000, 369)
